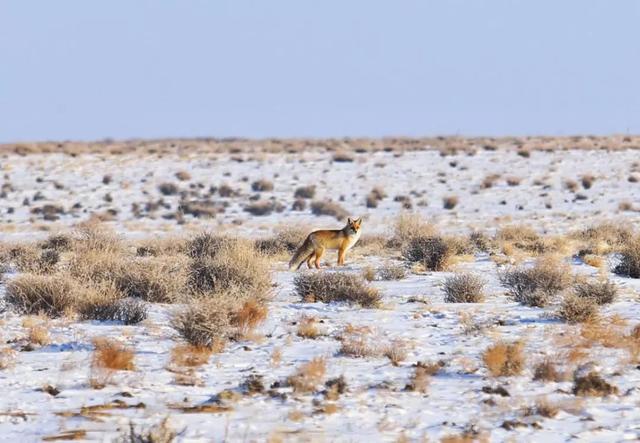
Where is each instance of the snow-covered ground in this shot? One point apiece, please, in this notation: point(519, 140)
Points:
point(375, 407)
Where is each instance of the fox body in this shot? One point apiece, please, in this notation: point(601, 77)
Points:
point(318, 242)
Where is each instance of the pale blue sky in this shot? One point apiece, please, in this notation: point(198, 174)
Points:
point(79, 69)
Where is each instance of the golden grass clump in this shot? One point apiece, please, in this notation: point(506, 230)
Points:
point(53, 295)
point(592, 385)
point(629, 264)
point(504, 359)
point(576, 309)
point(464, 288)
point(307, 327)
point(189, 356)
point(110, 354)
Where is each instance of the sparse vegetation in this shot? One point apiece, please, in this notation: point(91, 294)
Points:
point(329, 208)
point(576, 309)
point(629, 264)
point(504, 359)
point(536, 285)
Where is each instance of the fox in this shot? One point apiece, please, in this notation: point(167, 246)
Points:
point(318, 241)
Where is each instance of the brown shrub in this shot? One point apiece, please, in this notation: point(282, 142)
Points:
point(260, 208)
point(308, 376)
point(587, 181)
point(571, 185)
point(576, 309)
point(464, 288)
point(543, 408)
point(433, 252)
point(342, 156)
point(395, 351)
point(504, 359)
point(308, 327)
point(408, 226)
point(420, 380)
point(286, 240)
point(601, 292)
point(305, 191)
point(625, 205)
point(513, 181)
point(592, 384)
point(39, 335)
point(168, 188)
point(105, 303)
point(330, 208)
point(208, 322)
point(252, 312)
point(535, 286)
point(328, 287)
point(183, 176)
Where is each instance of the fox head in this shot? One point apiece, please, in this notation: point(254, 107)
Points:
point(354, 224)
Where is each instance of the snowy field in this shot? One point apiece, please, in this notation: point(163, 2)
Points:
point(47, 388)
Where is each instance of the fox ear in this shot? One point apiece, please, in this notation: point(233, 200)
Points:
point(349, 221)
point(358, 220)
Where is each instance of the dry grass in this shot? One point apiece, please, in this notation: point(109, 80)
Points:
point(207, 322)
point(7, 357)
point(330, 287)
point(39, 335)
point(305, 192)
point(537, 285)
point(251, 314)
point(601, 292)
point(262, 185)
point(396, 352)
point(464, 288)
point(392, 272)
point(408, 226)
point(358, 344)
point(159, 433)
point(39, 294)
point(504, 359)
point(110, 354)
point(420, 380)
point(543, 408)
point(308, 376)
point(105, 303)
point(285, 241)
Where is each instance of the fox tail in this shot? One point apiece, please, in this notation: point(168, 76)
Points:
point(301, 254)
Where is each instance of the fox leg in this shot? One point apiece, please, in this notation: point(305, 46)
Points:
point(310, 259)
point(341, 254)
point(319, 253)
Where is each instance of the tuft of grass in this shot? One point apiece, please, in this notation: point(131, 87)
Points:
point(260, 208)
point(464, 288)
point(537, 285)
point(189, 356)
point(547, 371)
point(308, 327)
point(168, 188)
point(285, 241)
point(420, 380)
point(504, 359)
point(342, 156)
point(329, 287)
point(111, 354)
point(587, 181)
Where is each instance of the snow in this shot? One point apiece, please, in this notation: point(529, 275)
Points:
point(376, 407)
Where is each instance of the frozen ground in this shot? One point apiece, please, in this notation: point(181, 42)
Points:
point(375, 407)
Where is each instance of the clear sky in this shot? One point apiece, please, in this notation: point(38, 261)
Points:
point(80, 69)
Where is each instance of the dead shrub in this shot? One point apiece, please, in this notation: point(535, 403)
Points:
point(433, 252)
point(111, 354)
point(543, 408)
point(420, 380)
point(158, 433)
point(537, 285)
point(464, 288)
point(183, 176)
point(629, 264)
point(30, 258)
point(396, 352)
point(329, 208)
point(601, 292)
point(105, 303)
point(513, 181)
point(39, 335)
point(576, 309)
point(305, 192)
point(330, 287)
point(58, 242)
point(592, 385)
point(504, 359)
point(308, 376)
point(262, 185)
point(168, 188)
point(207, 244)
point(625, 205)
point(252, 312)
point(571, 185)
point(358, 344)
point(97, 238)
point(207, 322)
point(603, 237)
point(34, 294)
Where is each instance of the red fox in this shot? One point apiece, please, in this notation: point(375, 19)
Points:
point(318, 241)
